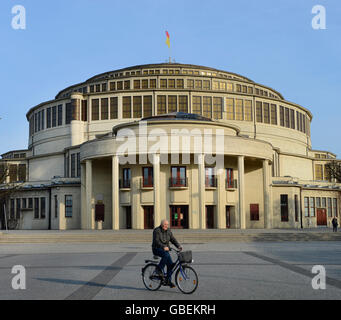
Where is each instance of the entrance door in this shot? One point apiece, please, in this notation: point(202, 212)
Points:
point(209, 217)
point(321, 215)
point(128, 217)
point(148, 217)
point(228, 217)
point(179, 217)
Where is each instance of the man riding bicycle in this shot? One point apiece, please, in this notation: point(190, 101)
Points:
point(162, 235)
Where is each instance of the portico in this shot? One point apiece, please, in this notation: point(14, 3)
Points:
point(191, 193)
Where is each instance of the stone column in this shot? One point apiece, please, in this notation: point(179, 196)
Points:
point(115, 193)
point(157, 198)
point(266, 191)
point(88, 185)
point(201, 185)
point(120, 107)
point(221, 199)
point(76, 125)
point(224, 109)
point(83, 197)
point(241, 191)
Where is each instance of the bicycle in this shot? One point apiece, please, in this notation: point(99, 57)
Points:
point(186, 278)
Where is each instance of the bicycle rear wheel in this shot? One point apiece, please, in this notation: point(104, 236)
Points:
point(186, 279)
point(152, 276)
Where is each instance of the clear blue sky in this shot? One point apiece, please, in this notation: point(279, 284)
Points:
point(270, 42)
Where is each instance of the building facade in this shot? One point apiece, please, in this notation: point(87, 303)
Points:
point(201, 147)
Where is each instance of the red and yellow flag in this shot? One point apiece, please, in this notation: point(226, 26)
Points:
point(167, 40)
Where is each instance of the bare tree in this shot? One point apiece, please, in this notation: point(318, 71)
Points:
point(7, 190)
point(334, 170)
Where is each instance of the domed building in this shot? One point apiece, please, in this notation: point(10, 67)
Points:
point(201, 147)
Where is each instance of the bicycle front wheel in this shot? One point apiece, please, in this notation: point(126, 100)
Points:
point(186, 279)
point(152, 276)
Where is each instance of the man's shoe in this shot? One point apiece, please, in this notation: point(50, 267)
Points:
point(170, 284)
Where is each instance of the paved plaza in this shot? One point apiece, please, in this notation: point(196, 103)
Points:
point(230, 270)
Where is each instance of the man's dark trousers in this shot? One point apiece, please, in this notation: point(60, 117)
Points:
point(165, 260)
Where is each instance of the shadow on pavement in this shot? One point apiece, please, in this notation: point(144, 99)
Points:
point(90, 284)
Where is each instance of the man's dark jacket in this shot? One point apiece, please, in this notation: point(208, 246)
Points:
point(161, 238)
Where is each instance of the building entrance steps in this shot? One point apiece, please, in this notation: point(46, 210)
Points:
point(183, 236)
